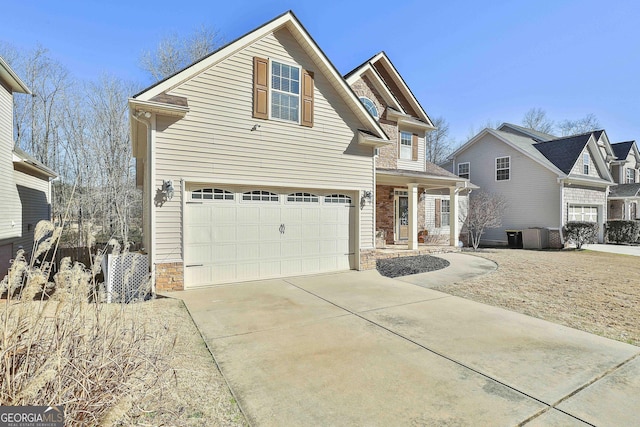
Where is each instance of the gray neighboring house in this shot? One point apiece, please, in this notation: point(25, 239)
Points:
point(625, 197)
point(26, 183)
point(546, 180)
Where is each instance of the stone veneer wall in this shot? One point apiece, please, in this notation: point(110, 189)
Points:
point(555, 241)
point(385, 211)
point(169, 277)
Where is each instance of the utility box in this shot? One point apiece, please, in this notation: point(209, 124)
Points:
point(535, 238)
point(514, 238)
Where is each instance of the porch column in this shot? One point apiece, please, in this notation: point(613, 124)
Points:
point(413, 216)
point(454, 226)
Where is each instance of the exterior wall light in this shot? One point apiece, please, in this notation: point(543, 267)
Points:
point(167, 187)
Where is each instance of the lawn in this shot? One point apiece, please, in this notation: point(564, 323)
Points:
point(592, 291)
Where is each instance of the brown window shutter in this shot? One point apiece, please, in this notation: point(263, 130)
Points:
point(438, 213)
point(260, 88)
point(414, 147)
point(307, 98)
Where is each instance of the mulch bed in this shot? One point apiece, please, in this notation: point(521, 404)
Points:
point(404, 266)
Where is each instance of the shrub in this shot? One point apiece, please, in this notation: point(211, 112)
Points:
point(623, 231)
point(60, 346)
point(580, 233)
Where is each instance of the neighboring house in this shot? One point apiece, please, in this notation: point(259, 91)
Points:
point(259, 161)
point(546, 180)
point(26, 189)
point(404, 178)
point(625, 169)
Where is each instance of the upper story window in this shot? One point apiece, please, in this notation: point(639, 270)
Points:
point(406, 149)
point(285, 93)
point(503, 168)
point(586, 160)
point(464, 170)
point(370, 106)
point(631, 176)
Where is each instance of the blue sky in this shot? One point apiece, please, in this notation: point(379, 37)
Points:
point(467, 61)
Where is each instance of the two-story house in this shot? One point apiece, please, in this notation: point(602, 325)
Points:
point(411, 193)
point(546, 180)
point(26, 189)
point(625, 169)
point(259, 161)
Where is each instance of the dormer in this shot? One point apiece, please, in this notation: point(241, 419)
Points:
point(626, 167)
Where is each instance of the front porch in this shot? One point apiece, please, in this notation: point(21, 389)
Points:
point(368, 258)
point(411, 206)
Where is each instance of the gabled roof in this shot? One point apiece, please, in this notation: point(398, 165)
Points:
point(536, 135)
point(564, 152)
point(624, 191)
point(558, 155)
point(382, 69)
point(621, 149)
point(286, 20)
point(11, 79)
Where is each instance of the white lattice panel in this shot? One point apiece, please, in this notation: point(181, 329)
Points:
point(127, 277)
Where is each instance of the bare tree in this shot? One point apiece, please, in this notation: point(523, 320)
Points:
point(439, 144)
point(484, 210)
point(536, 119)
point(490, 124)
point(175, 52)
point(586, 124)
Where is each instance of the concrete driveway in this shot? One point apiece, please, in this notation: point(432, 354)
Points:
point(356, 348)
point(614, 249)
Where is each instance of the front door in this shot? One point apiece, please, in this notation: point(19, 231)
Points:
point(402, 217)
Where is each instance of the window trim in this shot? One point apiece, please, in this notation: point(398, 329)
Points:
point(337, 198)
point(586, 163)
point(445, 214)
point(226, 195)
point(373, 104)
point(271, 90)
point(297, 195)
point(409, 146)
point(508, 169)
point(261, 194)
point(468, 173)
point(631, 173)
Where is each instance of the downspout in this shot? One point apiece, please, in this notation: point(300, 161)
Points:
point(561, 182)
point(144, 117)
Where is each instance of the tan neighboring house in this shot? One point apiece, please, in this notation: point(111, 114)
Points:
point(624, 198)
point(546, 180)
point(259, 161)
point(26, 183)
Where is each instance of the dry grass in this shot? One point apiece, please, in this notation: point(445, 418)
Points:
point(593, 291)
point(142, 363)
point(196, 393)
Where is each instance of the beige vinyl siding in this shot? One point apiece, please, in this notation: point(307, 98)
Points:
point(532, 191)
point(430, 213)
point(214, 142)
point(35, 198)
point(415, 165)
point(578, 168)
point(10, 219)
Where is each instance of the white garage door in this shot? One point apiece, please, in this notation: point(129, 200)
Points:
point(237, 236)
point(583, 213)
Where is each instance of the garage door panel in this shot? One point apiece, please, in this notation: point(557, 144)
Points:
point(238, 240)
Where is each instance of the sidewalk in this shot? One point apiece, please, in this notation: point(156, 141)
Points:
point(614, 249)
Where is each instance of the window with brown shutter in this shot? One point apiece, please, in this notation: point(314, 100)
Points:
point(307, 98)
point(260, 88)
point(438, 212)
point(414, 147)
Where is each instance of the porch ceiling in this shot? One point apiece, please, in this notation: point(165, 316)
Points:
point(402, 178)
